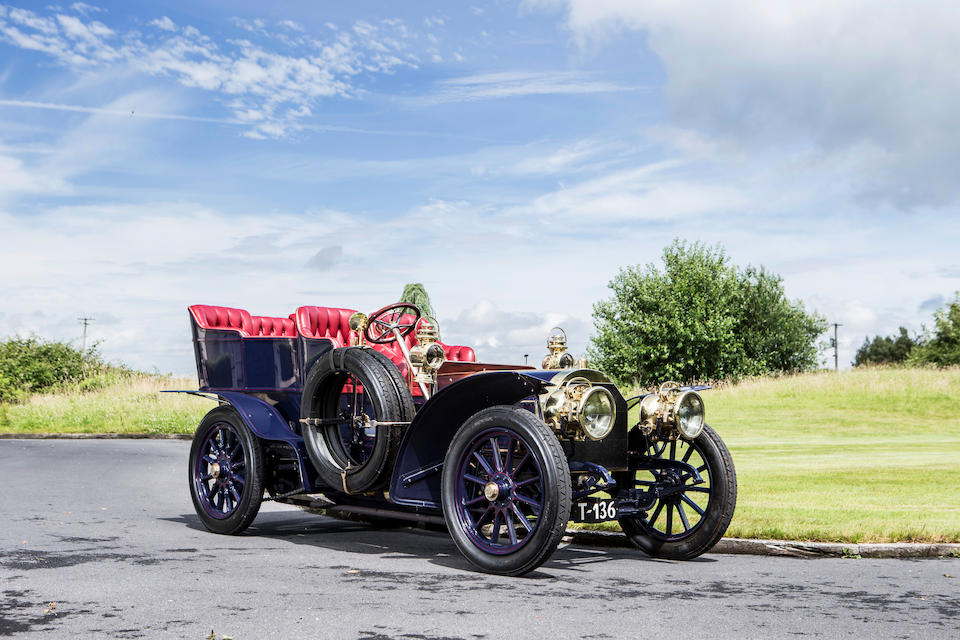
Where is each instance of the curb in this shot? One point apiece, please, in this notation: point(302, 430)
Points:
point(95, 436)
point(787, 548)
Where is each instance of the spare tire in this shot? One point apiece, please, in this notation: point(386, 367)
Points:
point(343, 392)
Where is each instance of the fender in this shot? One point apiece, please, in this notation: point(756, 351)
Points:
point(416, 474)
point(263, 420)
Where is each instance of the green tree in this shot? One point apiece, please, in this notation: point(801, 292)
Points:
point(414, 293)
point(885, 349)
point(941, 347)
point(700, 318)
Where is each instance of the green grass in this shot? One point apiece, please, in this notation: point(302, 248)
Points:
point(860, 456)
point(123, 404)
point(868, 455)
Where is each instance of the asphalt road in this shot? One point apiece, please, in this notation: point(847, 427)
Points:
point(106, 531)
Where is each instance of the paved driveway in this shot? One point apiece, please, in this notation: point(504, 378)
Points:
point(106, 531)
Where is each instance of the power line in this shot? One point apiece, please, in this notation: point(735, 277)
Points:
point(83, 344)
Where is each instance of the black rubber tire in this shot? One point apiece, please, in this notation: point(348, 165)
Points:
point(252, 496)
point(391, 402)
point(717, 516)
point(543, 541)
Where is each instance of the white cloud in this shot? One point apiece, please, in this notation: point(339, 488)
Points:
point(164, 23)
point(252, 77)
point(829, 76)
point(290, 24)
point(520, 83)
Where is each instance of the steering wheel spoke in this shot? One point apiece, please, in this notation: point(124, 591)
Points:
point(388, 323)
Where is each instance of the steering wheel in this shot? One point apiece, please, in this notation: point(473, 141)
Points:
point(381, 324)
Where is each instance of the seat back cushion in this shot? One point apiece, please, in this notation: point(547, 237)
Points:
point(273, 327)
point(212, 317)
point(325, 322)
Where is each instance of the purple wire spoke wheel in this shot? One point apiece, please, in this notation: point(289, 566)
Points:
point(499, 491)
point(220, 474)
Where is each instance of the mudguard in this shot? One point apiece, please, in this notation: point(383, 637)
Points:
point(264, 421)
point(416, 474)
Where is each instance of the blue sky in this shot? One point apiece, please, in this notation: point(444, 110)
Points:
point(512, 156)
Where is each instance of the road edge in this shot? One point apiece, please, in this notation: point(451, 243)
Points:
point(788, 548)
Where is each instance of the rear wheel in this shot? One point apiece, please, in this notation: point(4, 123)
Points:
point(506, 490)
point(226, 472)
point(692, 520)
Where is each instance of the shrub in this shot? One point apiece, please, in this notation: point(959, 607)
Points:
point(32, 365)
point(885, 349)
point(941, 347)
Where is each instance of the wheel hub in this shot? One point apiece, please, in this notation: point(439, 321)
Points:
point(499, 490)
point(215, 470)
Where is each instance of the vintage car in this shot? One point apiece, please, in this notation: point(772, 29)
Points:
point(375, 416)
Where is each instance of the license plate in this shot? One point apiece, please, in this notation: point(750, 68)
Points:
point(594, 510)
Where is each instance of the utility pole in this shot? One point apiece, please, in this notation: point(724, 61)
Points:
point(525, 356)
point(836, 346)
point(83, 344)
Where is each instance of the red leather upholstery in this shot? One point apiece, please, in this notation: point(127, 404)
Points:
point(273, 327)
point(325, 322)
point(458, 353)
point(210, 317)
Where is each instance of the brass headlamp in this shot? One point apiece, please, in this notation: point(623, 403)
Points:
point(580, 410)
point(557, 358)
point(427, 355)
point(671, 412)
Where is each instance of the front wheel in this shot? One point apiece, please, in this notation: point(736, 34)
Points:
point(691, 520)
point(225, 472)
point(506, 490)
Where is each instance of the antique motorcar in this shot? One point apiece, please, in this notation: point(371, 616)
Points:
point(375, 416)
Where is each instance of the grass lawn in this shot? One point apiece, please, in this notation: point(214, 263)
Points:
point(860, 456)
point(128, 405)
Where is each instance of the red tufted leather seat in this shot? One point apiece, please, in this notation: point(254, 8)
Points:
point(211, 317)
point(325, 322)
point(264, 326)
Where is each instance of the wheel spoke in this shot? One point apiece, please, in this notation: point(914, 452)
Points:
point(524, 483)
point(239, 479)
point(483, 463)
point(683, 517)
point(522, 462)
point(521, 518)
point(473, 478)
point(530, 501)
point(686, 456)
point(210, 459)
point(477, 500)
point(495, 447)
point(698, 489)
point(495, 533)
point(656, 514)
point(508, 516)
point(509, 459)
point(701, 468)
point(693, 504)
point(673, 449)
point(205, 476)
point(234, 493)
point(483, 517)
point(669, 529)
